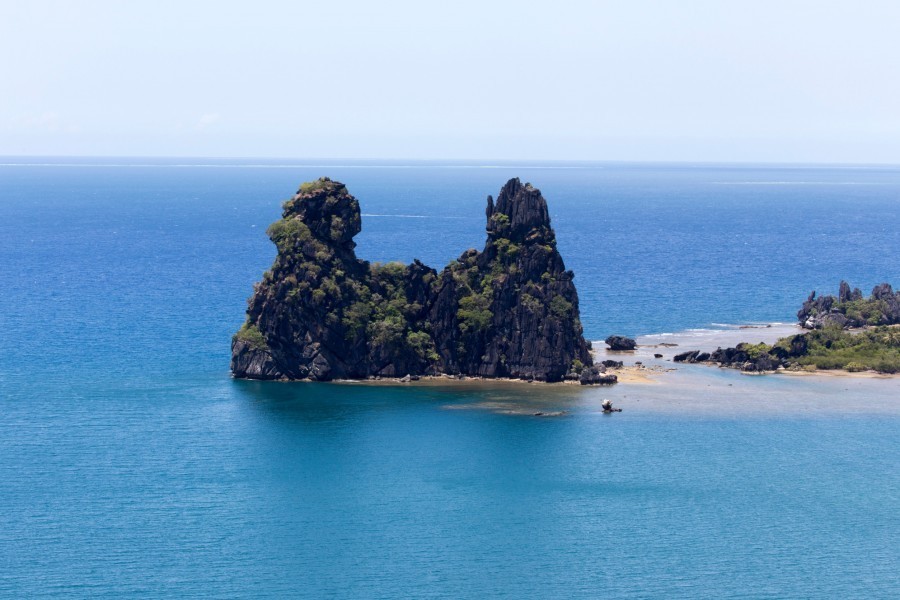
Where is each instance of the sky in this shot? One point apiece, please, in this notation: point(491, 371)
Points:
point(635, 80)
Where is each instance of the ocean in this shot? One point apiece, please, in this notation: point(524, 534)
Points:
point(131, 464)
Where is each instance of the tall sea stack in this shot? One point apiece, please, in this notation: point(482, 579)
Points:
point(320, 313)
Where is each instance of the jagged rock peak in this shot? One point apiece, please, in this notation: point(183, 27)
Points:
point(851, 309)
point(327, 208)
point(883, 291)
point(846, 295)
point(519, 214)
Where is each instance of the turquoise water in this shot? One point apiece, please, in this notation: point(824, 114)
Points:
point(132, 465)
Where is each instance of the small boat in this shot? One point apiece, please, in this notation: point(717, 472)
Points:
point(607, 407)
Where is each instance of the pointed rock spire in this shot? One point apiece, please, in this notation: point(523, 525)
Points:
point(519, 212)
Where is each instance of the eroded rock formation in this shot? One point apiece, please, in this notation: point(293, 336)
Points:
point(619, 343)
point(321, 313)
point(851, 309)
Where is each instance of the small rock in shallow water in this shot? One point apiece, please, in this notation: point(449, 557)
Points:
point(692, 356)
point(596, 375)
point(620, 343)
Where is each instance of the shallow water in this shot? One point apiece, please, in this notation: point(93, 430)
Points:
point(133, 465)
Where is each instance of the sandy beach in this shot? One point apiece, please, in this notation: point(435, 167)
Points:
point(652, 384)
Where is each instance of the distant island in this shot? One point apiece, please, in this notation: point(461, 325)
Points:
point(320, 313)
point(848, 332)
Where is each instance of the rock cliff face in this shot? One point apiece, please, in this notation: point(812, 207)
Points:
point(850, 309)
point(320, 313)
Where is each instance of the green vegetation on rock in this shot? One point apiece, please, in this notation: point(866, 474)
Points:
point(422, 344)
point(877, 349)
point(251, 335)
point(474, 313)
point(561, 307)
point(870, 311)
point(311, 186)
point(831, 347)
point(289, 233)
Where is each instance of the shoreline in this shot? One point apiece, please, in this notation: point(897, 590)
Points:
point(642, 365)
point(626, 374)
point(649, 384)
point(671, 344)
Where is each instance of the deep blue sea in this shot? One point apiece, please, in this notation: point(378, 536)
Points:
point(131, 465)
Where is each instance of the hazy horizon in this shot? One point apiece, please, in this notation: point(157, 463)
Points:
point(350, 162)
point(747, 82)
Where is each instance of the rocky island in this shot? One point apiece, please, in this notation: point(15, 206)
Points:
point(847, 332)
point(320, 313)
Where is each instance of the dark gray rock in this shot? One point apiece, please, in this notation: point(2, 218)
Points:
point(747, 358)
point(256, 363)
point(688, 356)
point(844, 292)
point(532, 330)
point(883, 291)
point(761, 364)
point(595, 375)
point(620, 343)
point(693, 356)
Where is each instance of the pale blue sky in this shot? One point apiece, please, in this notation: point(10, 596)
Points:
point(810, 81)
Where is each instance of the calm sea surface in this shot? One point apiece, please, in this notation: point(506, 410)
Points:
point(132, 465)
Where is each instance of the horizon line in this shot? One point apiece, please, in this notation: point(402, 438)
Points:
point(424, 162)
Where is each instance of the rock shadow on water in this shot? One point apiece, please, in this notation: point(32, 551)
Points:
point(541, 401)
point(321, 402)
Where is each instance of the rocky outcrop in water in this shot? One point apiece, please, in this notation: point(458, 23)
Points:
point(620, 343)
point(321, 313)
point(747, 357)
point(851, 309)
point(596, 375)
point(693, 356)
